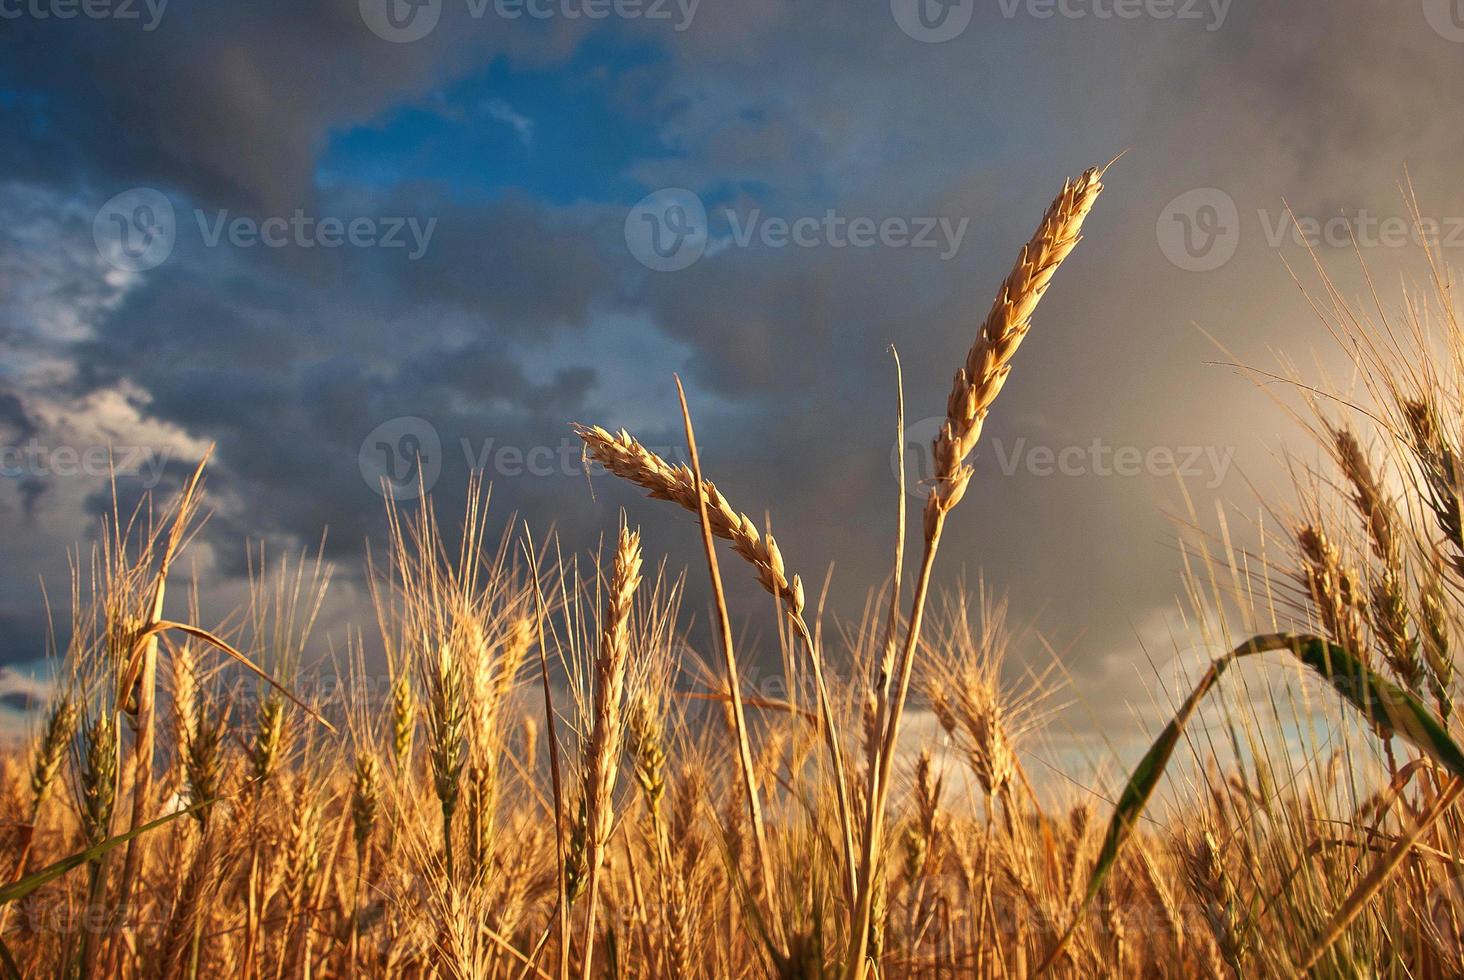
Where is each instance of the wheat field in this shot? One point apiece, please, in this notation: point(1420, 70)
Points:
point(550, 780)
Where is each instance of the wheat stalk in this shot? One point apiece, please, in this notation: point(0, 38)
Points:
point(1435, 636)
point(975, 387)
point(602, 767)
point(492, 680)
point(1440, 467)
point(555, 771)
point(1221, 904)
point(625, 457)
point(182, 676)
point(403, 718)
point(1333, 588)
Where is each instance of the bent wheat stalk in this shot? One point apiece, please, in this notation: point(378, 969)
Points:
point(141, 696)
point(976, 385)
point(625, 457)
point(1389, 709)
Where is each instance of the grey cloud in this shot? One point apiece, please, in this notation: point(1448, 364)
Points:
point(289, 363)
point(230, 102)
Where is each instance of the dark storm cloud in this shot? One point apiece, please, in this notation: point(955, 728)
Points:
point(16, 701)
point(288, 359)
point(288, 381)
point(15, 419)
point(479, 373)
point(25, 631)
point(521, 267)
point(231, 102)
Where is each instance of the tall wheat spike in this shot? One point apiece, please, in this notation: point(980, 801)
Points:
point(975, 387)
point(602, 765)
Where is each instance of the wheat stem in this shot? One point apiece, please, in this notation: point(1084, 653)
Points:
point(729, 659)
point(975, 387)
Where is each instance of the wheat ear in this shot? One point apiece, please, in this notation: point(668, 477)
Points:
point(605, 737)
point(46, 761)
point(365, 802)
point(623, 456)
point(980, 379)
point(976, 385)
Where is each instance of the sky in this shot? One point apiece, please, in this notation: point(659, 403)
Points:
point(331, 237)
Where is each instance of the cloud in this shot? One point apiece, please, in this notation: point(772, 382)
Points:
point(522, 125)
point(527, 308)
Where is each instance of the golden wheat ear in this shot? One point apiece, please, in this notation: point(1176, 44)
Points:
point(980, 379)
point(975, 387)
